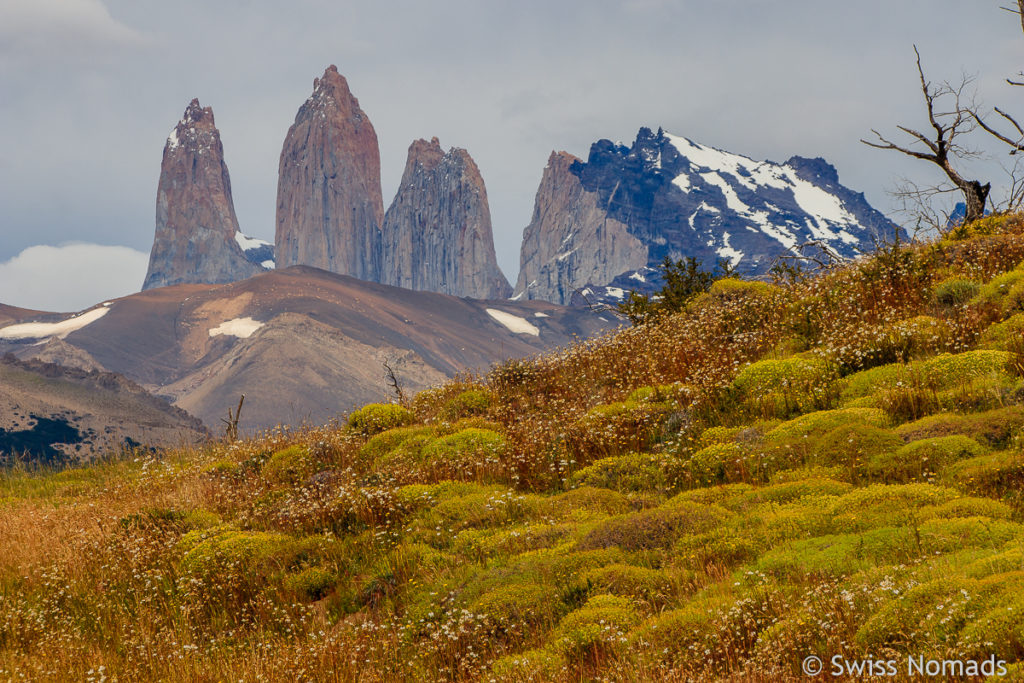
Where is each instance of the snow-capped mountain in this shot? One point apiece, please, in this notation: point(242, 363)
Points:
point(613, 219)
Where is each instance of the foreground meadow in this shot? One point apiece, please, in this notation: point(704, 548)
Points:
point(827, 465)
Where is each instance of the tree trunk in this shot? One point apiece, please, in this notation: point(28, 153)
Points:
point(976, 195)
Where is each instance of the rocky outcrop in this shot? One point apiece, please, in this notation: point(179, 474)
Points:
point(612, 220)
point(329, 205)
point(571, 240)
point(196, 227)
point(437, 233)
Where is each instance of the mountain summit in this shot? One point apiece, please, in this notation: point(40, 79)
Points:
point(437, 233)
point(615, 217)
point(329, 205)
point(197, 235)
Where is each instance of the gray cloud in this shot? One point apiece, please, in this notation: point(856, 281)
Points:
point(510, 82)
point(71, 277)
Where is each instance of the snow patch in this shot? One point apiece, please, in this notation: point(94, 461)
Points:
point(513, 322)
point(728, 252)
point(268, 264)
point(247, 243)
point(59, 330)
point(238, 327)
point(172, 139)
point(538, 314)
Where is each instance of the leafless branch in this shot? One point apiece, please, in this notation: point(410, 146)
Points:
point(944, 148)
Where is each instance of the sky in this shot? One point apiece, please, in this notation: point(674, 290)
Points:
point(89, 90)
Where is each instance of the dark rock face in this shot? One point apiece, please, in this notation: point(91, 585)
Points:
point(437, 233)
point(676, 199)
point(329, 205)
point(572, 240)
point(196, 228)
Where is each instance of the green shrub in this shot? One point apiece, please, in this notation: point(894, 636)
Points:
point(955, 291)
point(471, 450)
point(468, 403)
point(596, 630)
point(911, 619)
point(649, 585)
point(735, 288)
point(654, 528)
point(717, 464)
point(311, 584)
point(783, 387)
point(840, 554)
point(815, 424)
point(290, 466)
point(922, 459)
point(998, 288)
point(515, 609)
point(994, 428)
point(714, 436)
point(1004, 336)
point(532, 666)
point(224, 548)
point(385, 442)
point(885, 505)
point(378, 417)
point(632, 472)
point(999, 631)
point(999, 474)
point(854, 445)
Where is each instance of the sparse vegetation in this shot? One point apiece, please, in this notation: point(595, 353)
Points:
point(832, 465)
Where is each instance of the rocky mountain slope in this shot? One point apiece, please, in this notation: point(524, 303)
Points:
point(300, 343)
point(329, 205)
point(54, 414)
point(437, 233)
point(612, 219)
point(197, 235)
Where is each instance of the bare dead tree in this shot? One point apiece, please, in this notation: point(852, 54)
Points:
point(944, 147)
point(1015, 139)
point(231, 423)
point(394, 383)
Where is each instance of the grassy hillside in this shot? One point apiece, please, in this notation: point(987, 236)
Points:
point(827, 466)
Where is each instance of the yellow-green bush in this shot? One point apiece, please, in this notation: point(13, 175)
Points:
point(468, 403)
point(713, 436)
point(515, 609)
point(651, 586)
point(813, 425)
point(1004, 336)
point(632, 472)
point(532, 666)
point(719, 464)
point(783, 387)
point(913, 619)
point(922, 459)
point(998, 474)
point(840, 554)
point(885, 505)
point(955, 291)
point(735, 288)
point(994, 428)
point(311, 583)
point(655, 528)
point(854, 445)
point(597, 629)
point(378, 417)
point(224, 548)
point(383, 443)
point(290, 466)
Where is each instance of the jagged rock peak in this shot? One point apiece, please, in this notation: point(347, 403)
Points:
point(675, 198)
point(571, 241)
point(437, 233)
point(329, 203)
point(196, 130)
point(197, 236)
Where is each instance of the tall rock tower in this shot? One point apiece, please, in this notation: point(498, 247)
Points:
point(329, 205)
point(437, 233)
point(571, 240)
point(197, 236)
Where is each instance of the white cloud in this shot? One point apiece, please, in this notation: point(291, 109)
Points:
point(70, 277)
point(44, 24)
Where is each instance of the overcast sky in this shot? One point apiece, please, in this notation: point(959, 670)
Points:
point(89, 90)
